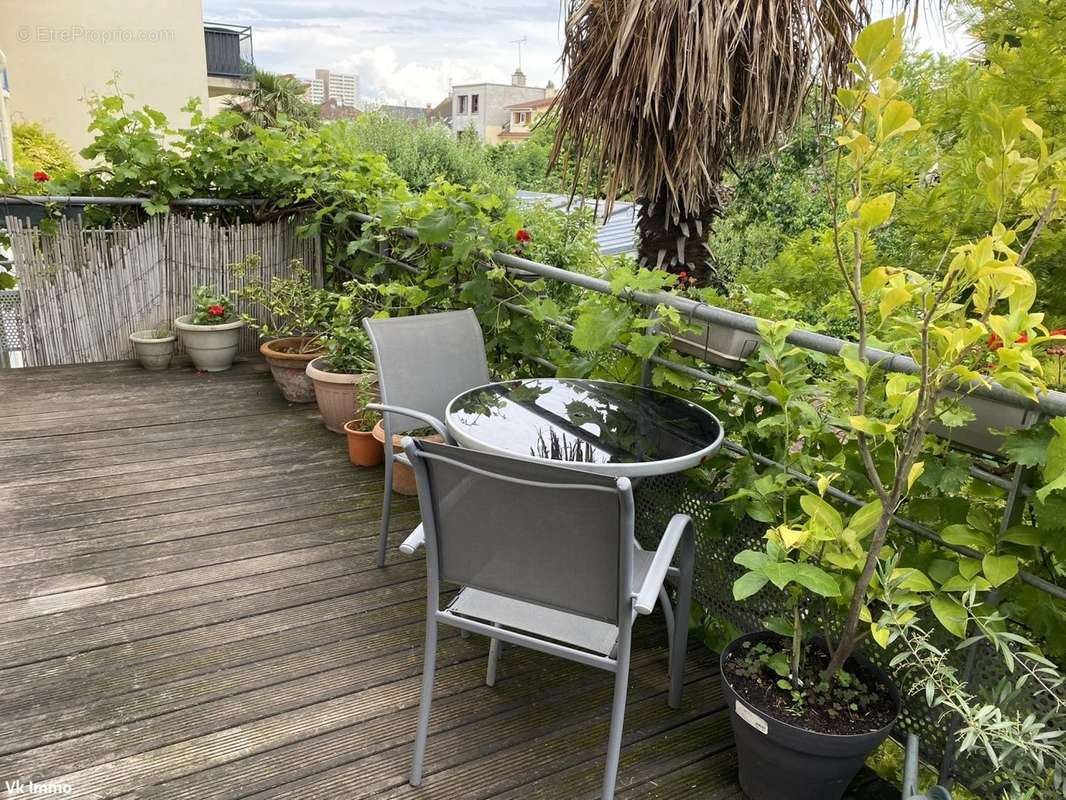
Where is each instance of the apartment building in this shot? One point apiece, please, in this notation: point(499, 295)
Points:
point(484, 107)
point(62, 51)
point(337, 86)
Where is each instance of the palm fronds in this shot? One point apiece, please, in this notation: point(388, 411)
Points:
point(661, 94)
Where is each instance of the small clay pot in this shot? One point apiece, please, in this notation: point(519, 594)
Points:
point(403, 476)
point(364, 449)
point(290, 368)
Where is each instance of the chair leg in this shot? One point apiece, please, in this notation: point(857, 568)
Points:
point(668, 614)
point(681, 617)
point(618, 713)
point(386, 510)
point(494, 657)
point(427, 699)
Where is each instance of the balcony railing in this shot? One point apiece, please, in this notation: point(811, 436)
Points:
point(229, 50)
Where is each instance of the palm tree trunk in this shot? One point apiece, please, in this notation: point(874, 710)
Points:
point(677, 241)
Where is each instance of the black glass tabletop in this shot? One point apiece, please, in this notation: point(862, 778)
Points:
point(607, 427)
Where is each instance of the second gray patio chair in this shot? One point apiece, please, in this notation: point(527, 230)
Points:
point(422, 363)
point(546, 559)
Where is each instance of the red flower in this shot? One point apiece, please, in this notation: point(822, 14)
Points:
point(994, 342)
point(216, 310)
point(1059, 332)
point(522, 235)
point(41, 176)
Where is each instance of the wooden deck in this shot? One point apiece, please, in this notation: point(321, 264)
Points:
point(189, 608)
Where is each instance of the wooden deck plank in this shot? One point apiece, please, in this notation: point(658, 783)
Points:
point(190, 608)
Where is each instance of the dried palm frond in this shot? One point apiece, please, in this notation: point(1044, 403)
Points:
point(660, 95)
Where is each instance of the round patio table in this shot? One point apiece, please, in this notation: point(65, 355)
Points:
point(611, 428)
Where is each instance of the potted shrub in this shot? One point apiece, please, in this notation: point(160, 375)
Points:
point(154, 348)
point(292, 314)
point(364, 449)
point(212, 332)
point(346, 365)
point(806, 706)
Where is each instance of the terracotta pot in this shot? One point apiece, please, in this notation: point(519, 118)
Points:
point(212, 348)
point(403, 476)
point(290, 368)
point(154, 352)
point(336, 393)
point(364, 449)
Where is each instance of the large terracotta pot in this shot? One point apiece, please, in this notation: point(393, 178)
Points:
point(212, 348)
point(154, 352)
point(364, 449)
point(336, 393)
point(289, 367)
point(403, 476)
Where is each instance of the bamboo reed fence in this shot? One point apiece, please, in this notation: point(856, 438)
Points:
point(84, 290)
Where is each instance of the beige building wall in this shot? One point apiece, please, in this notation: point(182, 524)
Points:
point(61, 51)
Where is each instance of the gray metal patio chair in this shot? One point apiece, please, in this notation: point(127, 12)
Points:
point(547, 559)
point(422, 363)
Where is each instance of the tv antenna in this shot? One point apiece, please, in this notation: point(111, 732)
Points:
point(519, 42)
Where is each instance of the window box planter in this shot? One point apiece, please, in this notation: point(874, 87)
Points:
point(779, 759)
point(716, 344)
point(212, 348)
point(153, 351)
point(335, 392)
point(991, 415)
point(289, 367)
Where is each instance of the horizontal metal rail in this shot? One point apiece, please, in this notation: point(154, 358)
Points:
point(1051, 403)
point(84, 200)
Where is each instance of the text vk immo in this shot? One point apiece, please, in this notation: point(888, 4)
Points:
point(36, 788)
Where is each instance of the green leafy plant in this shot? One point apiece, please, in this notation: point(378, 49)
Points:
point(944, 319)
point(366, 418)
point(347, 347)
point(285, 306)
point(211, 308)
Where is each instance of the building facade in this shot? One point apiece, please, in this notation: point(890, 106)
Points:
point(61, 51)
point(483, 107)
point(524, 115)
point(336, 86)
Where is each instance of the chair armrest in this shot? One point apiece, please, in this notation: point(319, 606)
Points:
point(427, 419)
point(415, 540)
point(680, 526)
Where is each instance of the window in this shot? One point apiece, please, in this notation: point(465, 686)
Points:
point(462, 104)
point(473, 103)
point(519, 118)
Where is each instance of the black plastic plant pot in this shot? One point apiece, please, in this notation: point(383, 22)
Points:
point(780, 761)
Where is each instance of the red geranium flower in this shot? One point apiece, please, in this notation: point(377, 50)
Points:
point(41, 176)
point(523, 235)
point(994, 342)
point(216, 310)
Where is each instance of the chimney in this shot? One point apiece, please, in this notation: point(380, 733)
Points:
point(518, 78)
point(550, 90)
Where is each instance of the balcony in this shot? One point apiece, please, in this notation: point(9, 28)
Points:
point(230, 59)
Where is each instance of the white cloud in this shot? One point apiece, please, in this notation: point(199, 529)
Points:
point(404, 50)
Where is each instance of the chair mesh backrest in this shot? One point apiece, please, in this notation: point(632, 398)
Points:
point(546, 544)
point(424, 361)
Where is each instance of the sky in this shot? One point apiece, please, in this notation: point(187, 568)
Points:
point(410, 51)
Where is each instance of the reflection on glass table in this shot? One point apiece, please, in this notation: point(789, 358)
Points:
point(614, 428)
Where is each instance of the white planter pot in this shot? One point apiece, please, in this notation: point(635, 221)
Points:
point(212, 348)
point(990, 414)
point(154, 352)
point(716, 344)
